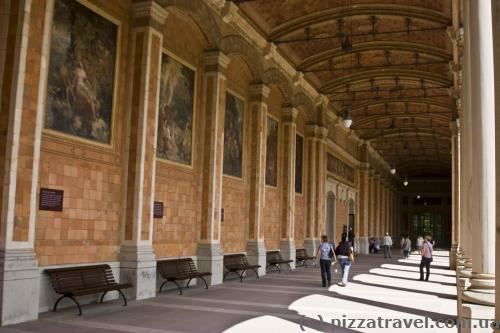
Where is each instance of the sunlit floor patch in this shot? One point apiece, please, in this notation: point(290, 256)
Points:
point(408, 299)
point(406, 284)
point(416, 261)
point(412, 275)
point(339, 312)
point(416, 269)
point(268, 324)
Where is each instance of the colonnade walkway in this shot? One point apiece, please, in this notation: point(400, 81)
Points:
point(287, 302)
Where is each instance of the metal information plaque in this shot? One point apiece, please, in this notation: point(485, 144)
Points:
point(158, 210)
point(51, 200)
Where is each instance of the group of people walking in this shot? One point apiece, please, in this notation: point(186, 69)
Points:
point(328, 254)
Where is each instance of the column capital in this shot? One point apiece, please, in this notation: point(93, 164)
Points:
point(148, 13)
point(289, 114)
point(215, 61)
point(259, 92)
point(316, 131)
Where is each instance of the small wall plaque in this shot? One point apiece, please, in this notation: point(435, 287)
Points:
point(158, 210)
point(51, 200)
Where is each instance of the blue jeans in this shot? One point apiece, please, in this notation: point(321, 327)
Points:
point(345, 264)
point(326, 274)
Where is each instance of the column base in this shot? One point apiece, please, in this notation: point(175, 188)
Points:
point(138, 266)
point(311, 245)
point(19, 283)
point(364, 245)
point(256, 253)
point(287, 249)
point(482, 283)
point(453, 256)
point(210, 259)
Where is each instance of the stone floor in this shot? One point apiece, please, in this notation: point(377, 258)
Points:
point(287, 302)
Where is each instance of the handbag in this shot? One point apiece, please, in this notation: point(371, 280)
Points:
point(330, 253)
point(350, 256)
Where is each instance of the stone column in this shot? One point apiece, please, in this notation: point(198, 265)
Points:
point(496, 53)
point(377, 202)
point(137, 259)
point(483, 154)
point(455, 193)
point(316, 178)
point(382, 211)
point(256, 249)
point(364, 209)
point(371, 216)
point(22, 89)
point(287, 245)
point(210, 256)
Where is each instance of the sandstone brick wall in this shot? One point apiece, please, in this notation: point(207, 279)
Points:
point(88, 230)
point(235, 191)
point(176, 234)
point(272, 210)
point(300, 199)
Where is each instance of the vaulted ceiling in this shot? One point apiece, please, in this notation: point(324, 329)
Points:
point(385, 60)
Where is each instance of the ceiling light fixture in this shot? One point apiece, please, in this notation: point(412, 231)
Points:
point(418, 196)
point(347, 117)
point(405, 182)
point(393, 169)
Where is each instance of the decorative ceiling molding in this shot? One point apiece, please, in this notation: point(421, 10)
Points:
point(389, 74)
point(333, 14)
point(394, 46)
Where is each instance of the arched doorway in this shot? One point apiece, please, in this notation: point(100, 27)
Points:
point(330, 217)
point(350, 222)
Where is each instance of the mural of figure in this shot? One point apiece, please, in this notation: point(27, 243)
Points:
point(233, 136)
point(175, 118)
point(81, 73)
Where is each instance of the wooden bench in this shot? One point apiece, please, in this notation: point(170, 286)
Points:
point(302, 256)
point(76, 281)
point(238, 264)
point(274, 259)
point(173, 270)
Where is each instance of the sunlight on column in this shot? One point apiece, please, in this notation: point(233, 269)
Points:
point(406, 284)
point(412, 275)
point(408, 299)
point(268, 324)
point(335, 310)
point(416, 269)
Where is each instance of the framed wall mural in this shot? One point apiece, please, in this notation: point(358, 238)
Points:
point(272, 152)
point(81, 73)
point(175, 116)
point(233, 136)
point(299, 158)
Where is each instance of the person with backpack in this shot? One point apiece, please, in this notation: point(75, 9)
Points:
point(346, 258)
point(387, 245)
point(326, 254)
point(426, 259)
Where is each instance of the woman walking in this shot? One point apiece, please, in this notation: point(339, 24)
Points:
point(426, 259)
point(326, 254)
point(344, 253)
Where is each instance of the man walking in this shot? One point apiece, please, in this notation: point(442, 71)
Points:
point(387, 242)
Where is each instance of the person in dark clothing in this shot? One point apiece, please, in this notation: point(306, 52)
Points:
point(343, 251)
point(326, 255)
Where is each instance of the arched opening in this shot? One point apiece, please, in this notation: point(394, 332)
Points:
point(350, 222)
point(330, 216)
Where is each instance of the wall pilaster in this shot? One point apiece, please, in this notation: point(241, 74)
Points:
point(138, 264)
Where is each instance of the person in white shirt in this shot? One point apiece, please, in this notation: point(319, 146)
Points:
point(387, 242)
point(420, 243)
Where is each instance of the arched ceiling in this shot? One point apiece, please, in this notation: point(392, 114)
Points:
point(396, 77)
